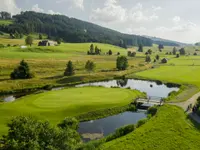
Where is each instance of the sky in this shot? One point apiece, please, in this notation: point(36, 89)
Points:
point(170, 19)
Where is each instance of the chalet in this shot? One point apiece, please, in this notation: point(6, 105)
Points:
point(47, 43)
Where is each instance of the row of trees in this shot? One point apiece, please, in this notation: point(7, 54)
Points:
point(23, 70)
point(5, 15)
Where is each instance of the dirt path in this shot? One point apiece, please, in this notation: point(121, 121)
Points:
point(185, 105)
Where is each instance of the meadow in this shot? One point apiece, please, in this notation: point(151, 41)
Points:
point(48, 64)
point(56, 105)
point(169, 129)
point(5, 22)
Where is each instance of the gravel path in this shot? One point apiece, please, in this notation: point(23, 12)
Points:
point(185, 105)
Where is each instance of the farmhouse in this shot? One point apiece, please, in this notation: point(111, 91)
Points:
point(47, 43)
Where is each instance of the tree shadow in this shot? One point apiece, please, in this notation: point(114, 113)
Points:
point(72, 79)
point(194, 123)
point(53, 77)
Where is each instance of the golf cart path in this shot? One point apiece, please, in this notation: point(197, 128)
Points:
point(184, 105)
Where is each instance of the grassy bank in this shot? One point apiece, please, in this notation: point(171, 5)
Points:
point(169, 129)
point(56, 105)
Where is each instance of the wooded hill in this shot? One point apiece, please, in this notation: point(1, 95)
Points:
point(70, 30)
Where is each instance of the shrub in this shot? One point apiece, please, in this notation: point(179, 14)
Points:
point(121, 132)
point(141, 122)
point(69, 123)
point(132, 108)
point(177, 55)
point(152, 111)
point(195, 54)
point(1, 46)
point(148, 58)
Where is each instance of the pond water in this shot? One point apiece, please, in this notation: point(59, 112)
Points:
point(152, 89)
point(96, 129)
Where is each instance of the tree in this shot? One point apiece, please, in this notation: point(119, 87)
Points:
point(109, 52)
point(69, 71)
point(122, 63)
point(177, 55)
point(97, 51)
point(28, 133)
point(148, 58)
point(140, 49)
point(22, 71)
point(160, 47)
point(164, 61)
point(182, 51)
point(149, 51)
point(157, 57)
point(90, 66)
point(29, 40)
point(91, 49)
point(131, 54)
point(174, 51)
point(40, 36)
point(58, 40)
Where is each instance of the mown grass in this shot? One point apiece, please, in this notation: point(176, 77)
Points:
point(56, 105)
point(5, 22)
point(169, 129)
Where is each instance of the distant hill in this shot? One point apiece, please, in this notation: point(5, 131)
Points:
point(166, 42)
point(70, 30)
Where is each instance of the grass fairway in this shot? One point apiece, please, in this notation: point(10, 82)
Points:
point(168, 130)
point(56, 105)
point(177, 74)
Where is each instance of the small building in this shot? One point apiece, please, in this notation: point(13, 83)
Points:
point(47, 43)
point(164, 60)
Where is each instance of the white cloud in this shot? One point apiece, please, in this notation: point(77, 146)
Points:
point(176, 19)
point(156, 8)
point(113, 12)
point(9, 6)
point(37, 9)
point(53, 13)
point(73, 3)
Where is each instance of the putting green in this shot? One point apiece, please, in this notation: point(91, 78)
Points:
point(56, 105)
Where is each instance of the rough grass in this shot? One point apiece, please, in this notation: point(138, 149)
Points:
point(169, 129)
point(56, 105)
point(49, 63)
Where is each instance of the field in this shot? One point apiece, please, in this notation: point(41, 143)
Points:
point(48, 64)
point(5, 22)
point(56, 105)
point(169, 129)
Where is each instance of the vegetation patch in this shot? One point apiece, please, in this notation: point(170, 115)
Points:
point(166, 130)
point(67, 102)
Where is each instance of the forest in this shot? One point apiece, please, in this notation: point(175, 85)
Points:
point(70, 30)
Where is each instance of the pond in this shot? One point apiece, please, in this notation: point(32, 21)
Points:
point(153, 89)
point(97, 129)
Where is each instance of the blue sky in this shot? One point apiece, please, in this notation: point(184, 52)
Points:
point(170, 19)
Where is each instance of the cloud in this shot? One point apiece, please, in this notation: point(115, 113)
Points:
point(37, 9)
point(109, 13)
point(73, 3)
point(9, 6)
point(51, 12)
point(176, 19)
point(113, 12)
point(156, 8)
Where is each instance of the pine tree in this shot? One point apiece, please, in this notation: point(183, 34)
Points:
point(140, 48)
point(70, 69)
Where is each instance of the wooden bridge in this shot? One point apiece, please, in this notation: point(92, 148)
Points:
point(145, 103)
